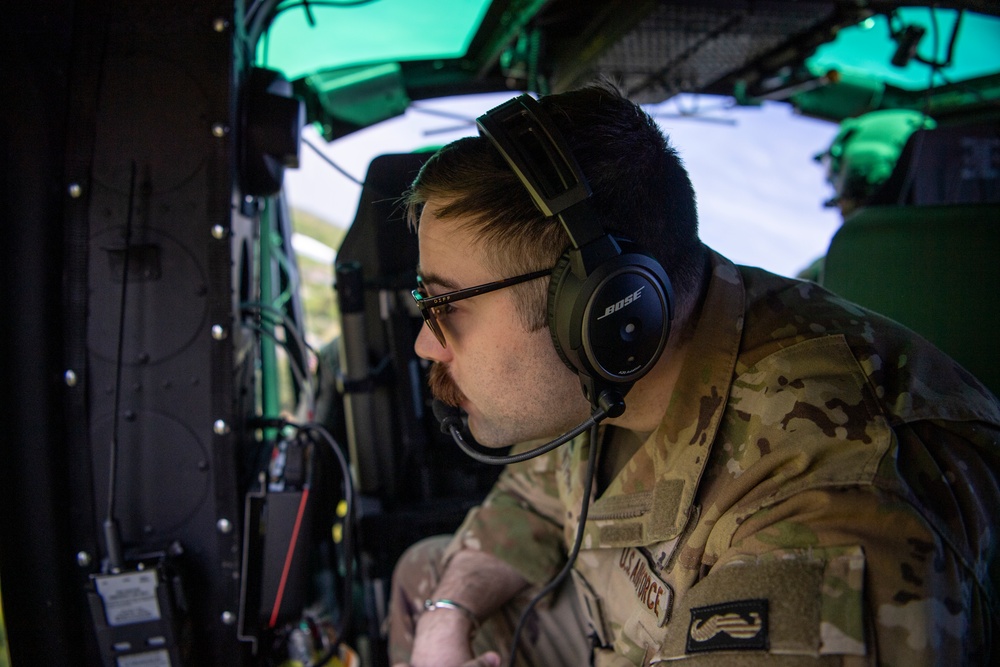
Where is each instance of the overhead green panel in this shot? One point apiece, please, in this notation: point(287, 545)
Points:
point(373, 32)
point(867, 49)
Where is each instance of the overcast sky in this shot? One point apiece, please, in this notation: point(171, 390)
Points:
point(759, 192)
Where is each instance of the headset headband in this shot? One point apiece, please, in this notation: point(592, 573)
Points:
point(540, 156)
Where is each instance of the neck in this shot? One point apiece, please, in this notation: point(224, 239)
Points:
point(646, 403)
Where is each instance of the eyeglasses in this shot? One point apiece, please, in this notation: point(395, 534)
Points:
point(429, 305)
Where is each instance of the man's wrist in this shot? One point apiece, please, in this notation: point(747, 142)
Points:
point(442, 638)
point(451, 605)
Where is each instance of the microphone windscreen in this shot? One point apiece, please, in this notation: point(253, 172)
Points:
point(446, 414)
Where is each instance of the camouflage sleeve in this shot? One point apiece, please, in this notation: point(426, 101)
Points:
point(841, 523)
point(520, 521)
point(854, 576)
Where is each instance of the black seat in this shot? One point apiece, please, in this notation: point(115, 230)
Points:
point(957, 164)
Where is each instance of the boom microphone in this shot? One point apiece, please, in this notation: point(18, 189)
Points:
point(448, 415)
point(611, 404)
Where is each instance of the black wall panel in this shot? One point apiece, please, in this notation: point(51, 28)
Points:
point(120, 273)
point(38, 590)
point(159, 382)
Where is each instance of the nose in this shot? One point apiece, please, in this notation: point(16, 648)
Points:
point(427, 346)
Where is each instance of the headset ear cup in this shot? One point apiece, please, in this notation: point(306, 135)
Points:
point(612, 325)
point(624, 314)
point(561, 273)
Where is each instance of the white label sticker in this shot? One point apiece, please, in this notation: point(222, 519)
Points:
point(129, 598)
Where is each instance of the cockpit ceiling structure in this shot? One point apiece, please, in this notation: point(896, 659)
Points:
point(830, 58)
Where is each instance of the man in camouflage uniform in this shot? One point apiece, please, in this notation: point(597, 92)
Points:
point(798, 480)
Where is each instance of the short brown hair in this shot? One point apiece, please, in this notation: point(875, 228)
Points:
point(641, 192)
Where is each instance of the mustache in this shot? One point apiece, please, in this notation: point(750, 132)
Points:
point(443, 387)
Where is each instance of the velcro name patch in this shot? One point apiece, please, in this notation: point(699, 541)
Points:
point(650, 591)
point(740, 625)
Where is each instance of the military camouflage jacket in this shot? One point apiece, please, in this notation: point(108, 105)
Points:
point(820, 490)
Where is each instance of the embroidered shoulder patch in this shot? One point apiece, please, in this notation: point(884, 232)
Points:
point(739, 625)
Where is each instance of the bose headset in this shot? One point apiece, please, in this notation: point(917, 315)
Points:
point(610, 304)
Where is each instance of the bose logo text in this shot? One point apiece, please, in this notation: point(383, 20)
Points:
point(615, 307)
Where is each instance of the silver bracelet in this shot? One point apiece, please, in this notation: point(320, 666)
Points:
point(431, 605)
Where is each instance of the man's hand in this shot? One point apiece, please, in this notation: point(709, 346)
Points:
point(480, 583)
point(490, 659)
point(442, 639)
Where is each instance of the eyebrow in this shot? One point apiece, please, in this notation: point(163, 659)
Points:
point(437, 280)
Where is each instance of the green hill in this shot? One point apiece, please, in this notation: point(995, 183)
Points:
point(318, 299)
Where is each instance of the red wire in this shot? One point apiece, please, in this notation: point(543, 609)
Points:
point(288, 557)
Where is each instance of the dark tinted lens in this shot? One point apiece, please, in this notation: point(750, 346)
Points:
point(429, 314)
